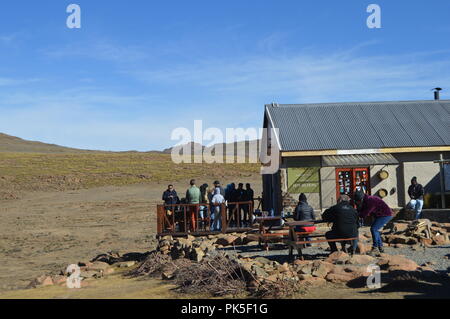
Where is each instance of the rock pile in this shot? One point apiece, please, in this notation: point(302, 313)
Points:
point(99, 267)
point(422, 231)
point(196, 248)
point(338, 267)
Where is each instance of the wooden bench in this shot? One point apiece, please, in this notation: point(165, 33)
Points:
point(265, 234)
point(297, 240)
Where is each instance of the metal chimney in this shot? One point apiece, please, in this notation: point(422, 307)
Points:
point(436, 93)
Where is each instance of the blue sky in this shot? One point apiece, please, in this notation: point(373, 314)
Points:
point(138, 69)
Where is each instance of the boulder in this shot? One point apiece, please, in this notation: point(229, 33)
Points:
point(400, 227)
point(338, 257)
point(259, 272)
point(321, 268)
point(97, 266)
point(357, 271)
point(197, 254)
point(396, 262)
point(339, 277)
point(59, 280)
point(426, 241)
point(41, 281)
point(167, 275)
point(363, 248)
point(283, 268)
point(262, 260)
point(439, 240)
point(313, 281)
point(361, 260)
point(305, 269)
point(250, 238)
point(226, 240)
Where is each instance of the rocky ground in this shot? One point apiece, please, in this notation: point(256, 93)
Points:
point(234, 265)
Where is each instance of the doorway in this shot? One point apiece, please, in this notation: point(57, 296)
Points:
point(351, 180)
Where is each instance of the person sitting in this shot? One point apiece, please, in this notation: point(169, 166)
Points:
point(376, 207)
point(345, 223)
point(416, 192)
point(304, 212)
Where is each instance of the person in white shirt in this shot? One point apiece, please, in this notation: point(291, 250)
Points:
point(216, 203)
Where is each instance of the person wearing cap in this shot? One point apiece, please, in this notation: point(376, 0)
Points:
point(345, 223)
point(217, 185)
point(216, 203)
point(416, 192)
point(382, 213)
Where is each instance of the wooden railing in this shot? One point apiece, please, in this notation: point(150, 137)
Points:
point(183, 219)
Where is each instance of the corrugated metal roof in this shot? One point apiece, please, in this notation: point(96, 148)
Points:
point(365, 125)
point(358, 160)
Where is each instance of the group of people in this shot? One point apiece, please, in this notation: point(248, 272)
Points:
point(346, 216)
point(207, 203)
point(345, 219)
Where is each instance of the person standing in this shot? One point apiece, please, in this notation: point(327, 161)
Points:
point(170, 198)
point(240, 198)
point(416, 192)
point(193, 197)
point(230, 197)
point(250, 195)
point(382, 213)
point(216, 202)
point(345, 222)
point(204, 207)
point(217, 185)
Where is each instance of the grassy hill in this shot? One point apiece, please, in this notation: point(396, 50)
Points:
point(17, 145)
point(36, 166)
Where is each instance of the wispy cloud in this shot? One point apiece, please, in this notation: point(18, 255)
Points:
point(16, 82)
point(312, 77)
point(226, 92)
point(100, 50)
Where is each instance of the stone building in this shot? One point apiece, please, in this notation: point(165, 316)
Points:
point(337, 148)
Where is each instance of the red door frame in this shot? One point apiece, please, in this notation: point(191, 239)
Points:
point(352, 171)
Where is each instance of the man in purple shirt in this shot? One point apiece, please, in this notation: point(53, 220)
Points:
point(376, 207)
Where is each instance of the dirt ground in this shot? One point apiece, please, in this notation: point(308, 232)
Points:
point(43, 232)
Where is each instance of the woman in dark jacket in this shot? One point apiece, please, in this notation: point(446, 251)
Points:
point(304, 212)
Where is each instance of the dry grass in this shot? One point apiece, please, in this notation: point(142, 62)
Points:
point(37, 171)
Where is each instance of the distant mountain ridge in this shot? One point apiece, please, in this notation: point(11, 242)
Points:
point(14, 144)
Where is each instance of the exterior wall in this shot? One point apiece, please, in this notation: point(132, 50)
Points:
point(314, 199)
point(420, 165)
point(328, 187)
point(410, 164)
point(390, 184)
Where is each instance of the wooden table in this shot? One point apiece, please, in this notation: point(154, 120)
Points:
point(264, 231)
